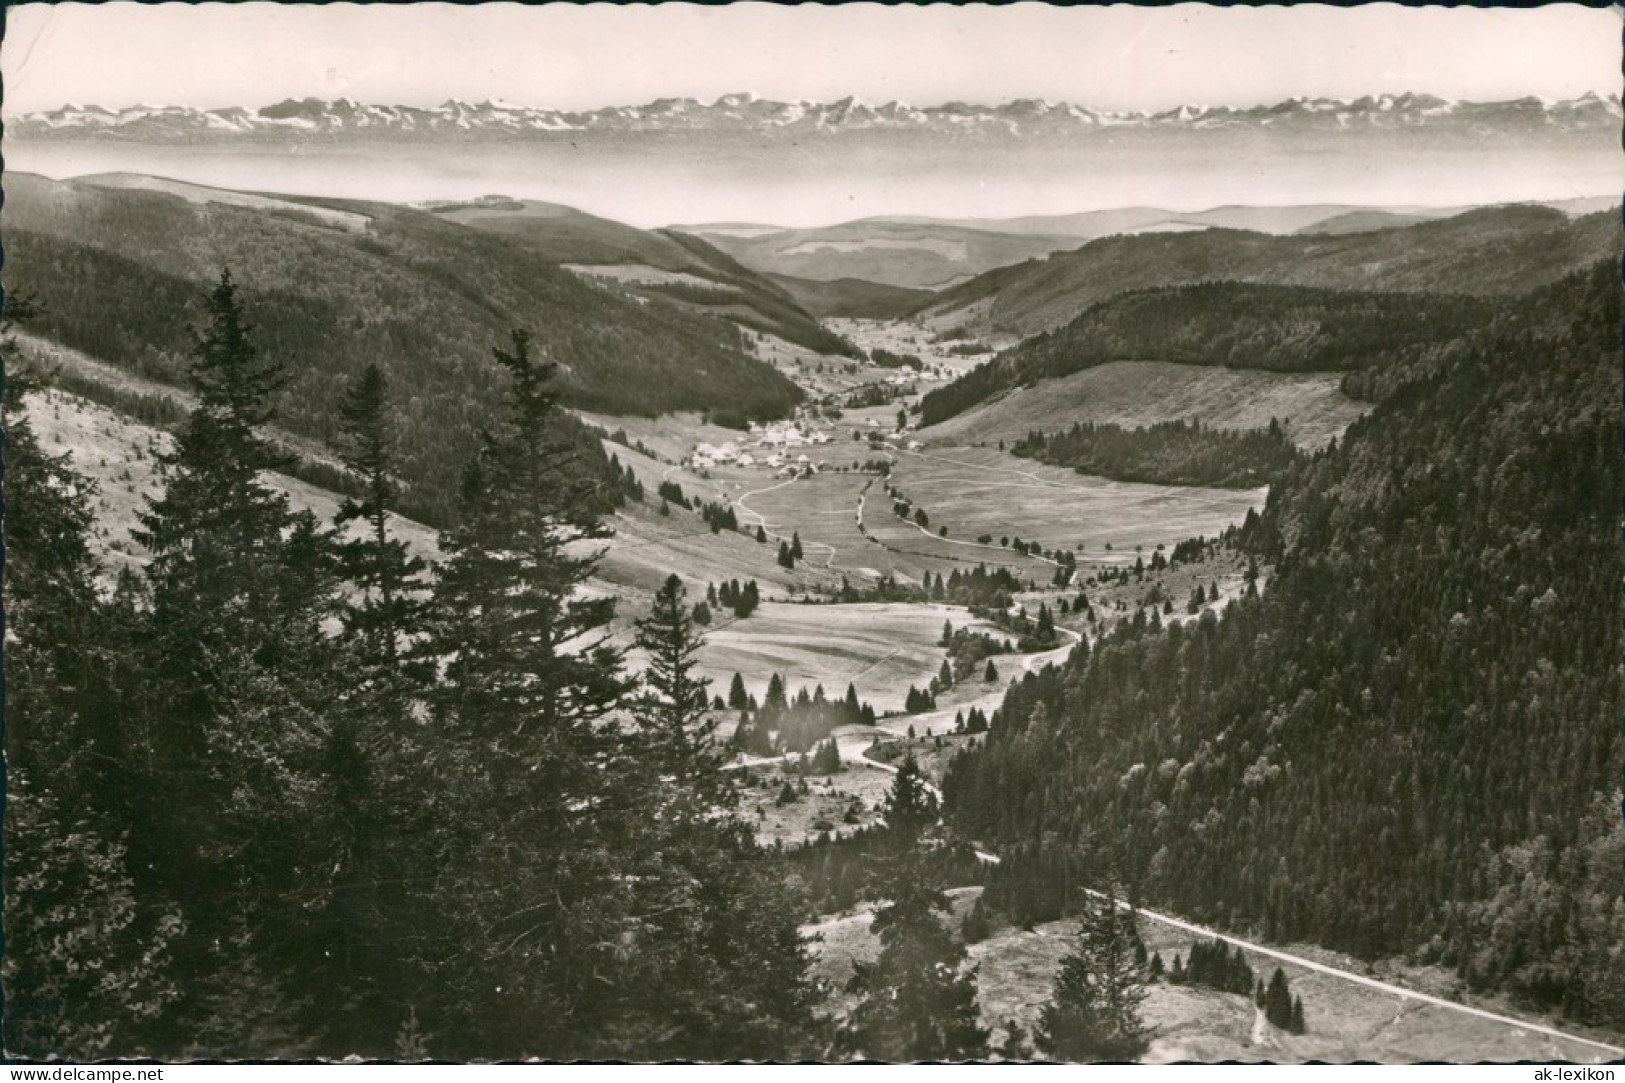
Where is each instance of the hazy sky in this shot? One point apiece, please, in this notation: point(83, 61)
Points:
point(584, 56)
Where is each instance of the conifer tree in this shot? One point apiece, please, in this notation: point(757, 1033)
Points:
point(388, 607)
point(229, 559)
point(1277, 1001)
point(851, 708)
point(541, 776)
point(911, 807)
point(240, 697)
point(673, 707)
point(1046, 623)
point(918, 1000)
point(52, 614)
point(506, 595)
point(89, 961)
point(1094, 1013)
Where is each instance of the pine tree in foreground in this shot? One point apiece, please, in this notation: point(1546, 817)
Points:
point(918, 1000)
point(235, 708)
point(88, 964)
point(673, 708)
point(531, 891)
point(1094, 1012)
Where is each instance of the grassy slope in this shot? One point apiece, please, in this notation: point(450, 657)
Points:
point(1501, 250)
point(980, 490)
point(1139, 393)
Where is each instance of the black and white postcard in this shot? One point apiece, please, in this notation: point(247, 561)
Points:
point(813, 533)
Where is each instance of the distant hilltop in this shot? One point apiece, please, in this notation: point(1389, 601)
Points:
point(307, 117)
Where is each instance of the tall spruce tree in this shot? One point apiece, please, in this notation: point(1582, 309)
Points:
point(238, 704)
point(507, 592)
point(230, 561)
point(673, 708)
point(911, 806)
point(918, 999)
point(1094, 1012)
point(88, 966)
point(532, 895)
point(387, 607)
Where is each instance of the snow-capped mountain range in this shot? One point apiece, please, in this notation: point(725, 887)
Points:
point(297, 118)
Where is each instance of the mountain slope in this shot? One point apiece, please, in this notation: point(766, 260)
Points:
point(1497, 250)
point(649, 262)
point(1233, 325)
point(911, 255)
point(852, 298)
point(1411, 740)
point(121, 271)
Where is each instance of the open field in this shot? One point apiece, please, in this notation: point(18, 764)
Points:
point(973, 491)
point(840, 803)
point(1134, 394)
point(881, 648)
point(915, 337)
point(826, 509)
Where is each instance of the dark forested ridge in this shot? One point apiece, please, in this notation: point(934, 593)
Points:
point(1490, 251)
point(119, 271)
point(852, 298)
point(1231, 324)
point(1394, 748)
point(1168, 453)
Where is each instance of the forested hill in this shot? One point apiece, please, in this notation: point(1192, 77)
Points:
point(1411, 740)
point(852, 297)
point(662, 263)
point(1233, 324)
point(119, 273)
point(1491, 251)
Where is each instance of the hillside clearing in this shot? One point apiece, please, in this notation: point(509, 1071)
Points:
point(976, 490)
point(881, 648)
point(1310, 406)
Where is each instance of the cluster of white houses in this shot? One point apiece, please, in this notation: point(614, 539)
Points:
point(773, 446)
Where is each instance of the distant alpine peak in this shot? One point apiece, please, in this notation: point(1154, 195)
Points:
point(744, 111)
